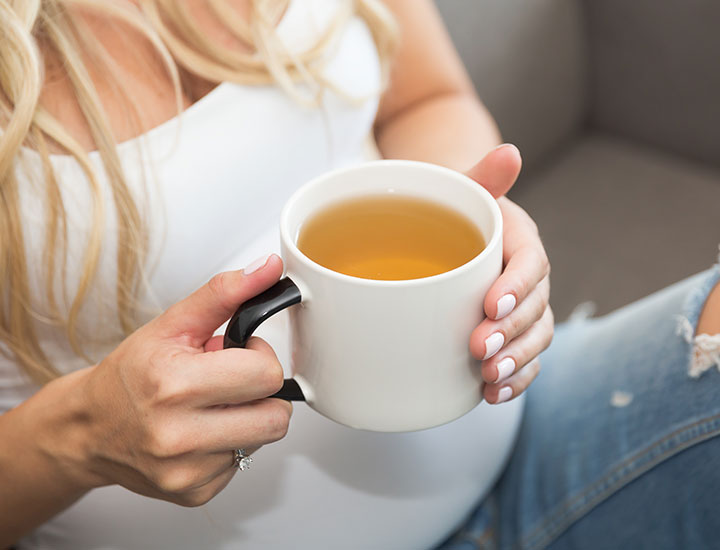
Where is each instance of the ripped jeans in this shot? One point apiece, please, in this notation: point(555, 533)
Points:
point(619, 446)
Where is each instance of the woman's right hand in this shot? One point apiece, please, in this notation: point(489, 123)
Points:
point(162, 413)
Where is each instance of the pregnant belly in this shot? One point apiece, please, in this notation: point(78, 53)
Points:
point(323, 486)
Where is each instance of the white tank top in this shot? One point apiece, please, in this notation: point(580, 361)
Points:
point(214, 196)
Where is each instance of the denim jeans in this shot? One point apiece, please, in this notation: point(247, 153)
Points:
point(618, 447)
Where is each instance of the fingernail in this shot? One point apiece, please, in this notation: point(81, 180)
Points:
point(504, 394)
point(493, 343)
point(257, 264)
point(505, 146)
point(505, 368)
point(505, 305)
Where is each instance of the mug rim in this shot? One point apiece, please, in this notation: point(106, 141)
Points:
point(291, 245)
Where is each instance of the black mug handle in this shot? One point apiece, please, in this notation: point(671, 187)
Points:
point(248, 317)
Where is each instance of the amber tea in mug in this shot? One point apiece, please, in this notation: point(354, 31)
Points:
point(390, 237)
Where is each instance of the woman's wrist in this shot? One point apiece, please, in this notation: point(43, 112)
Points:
point(59, 419)
point(45, 463)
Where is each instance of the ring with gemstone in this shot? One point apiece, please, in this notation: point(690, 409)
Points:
point(241, 461)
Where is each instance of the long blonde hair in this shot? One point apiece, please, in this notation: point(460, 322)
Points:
point(32, 28)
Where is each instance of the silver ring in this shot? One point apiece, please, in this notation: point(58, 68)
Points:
point(241, 461)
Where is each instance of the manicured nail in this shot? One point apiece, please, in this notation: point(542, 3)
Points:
point(505, 368)
point(506, 146)
point(493, 343)
point(257, 264)
point(504, 394)
point(505, 305)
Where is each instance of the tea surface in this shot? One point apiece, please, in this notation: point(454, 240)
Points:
point(390, 237)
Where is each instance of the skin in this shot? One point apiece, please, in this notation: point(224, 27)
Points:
point(709, 322)
point(170, 436)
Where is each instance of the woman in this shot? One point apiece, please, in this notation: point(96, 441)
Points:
point(113, 209)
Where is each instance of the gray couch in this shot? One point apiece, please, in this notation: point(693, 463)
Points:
point(615, 105)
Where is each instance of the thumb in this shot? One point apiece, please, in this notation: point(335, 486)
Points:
point(498, 170)
point(199, 315)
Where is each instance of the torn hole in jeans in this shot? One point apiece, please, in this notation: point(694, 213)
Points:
point(705, 348)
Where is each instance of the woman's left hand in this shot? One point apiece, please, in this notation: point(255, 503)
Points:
point(519, 323)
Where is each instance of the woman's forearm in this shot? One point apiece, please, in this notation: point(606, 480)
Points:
point(38, 456)
point(453, 130)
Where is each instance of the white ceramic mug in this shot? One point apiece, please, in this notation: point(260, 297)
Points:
point(386, 356)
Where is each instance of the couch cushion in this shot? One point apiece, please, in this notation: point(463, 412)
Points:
point(655, 72)
point(528, 60)
point(620, 220)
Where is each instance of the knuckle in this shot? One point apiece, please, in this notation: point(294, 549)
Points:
point(549, 319)
point(548, 340)
point(531, 223)
point(517, 326)
point(273, 376)
point(540, 258)
point(165, 442)
point(545, 288)
point(194, 500)
point(277, 422)
point(164, 384)
point(539, 306)
point(154, 372)
point(523, 288)
point(546, 343)
point(544, 261)
point(178, 480)
point(217, 284)
point(171, 390)
point(532, 369)
point(527, 353)
point(197, 498)
point(190, 501)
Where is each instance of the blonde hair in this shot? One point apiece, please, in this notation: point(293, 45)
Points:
point(29, 27)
